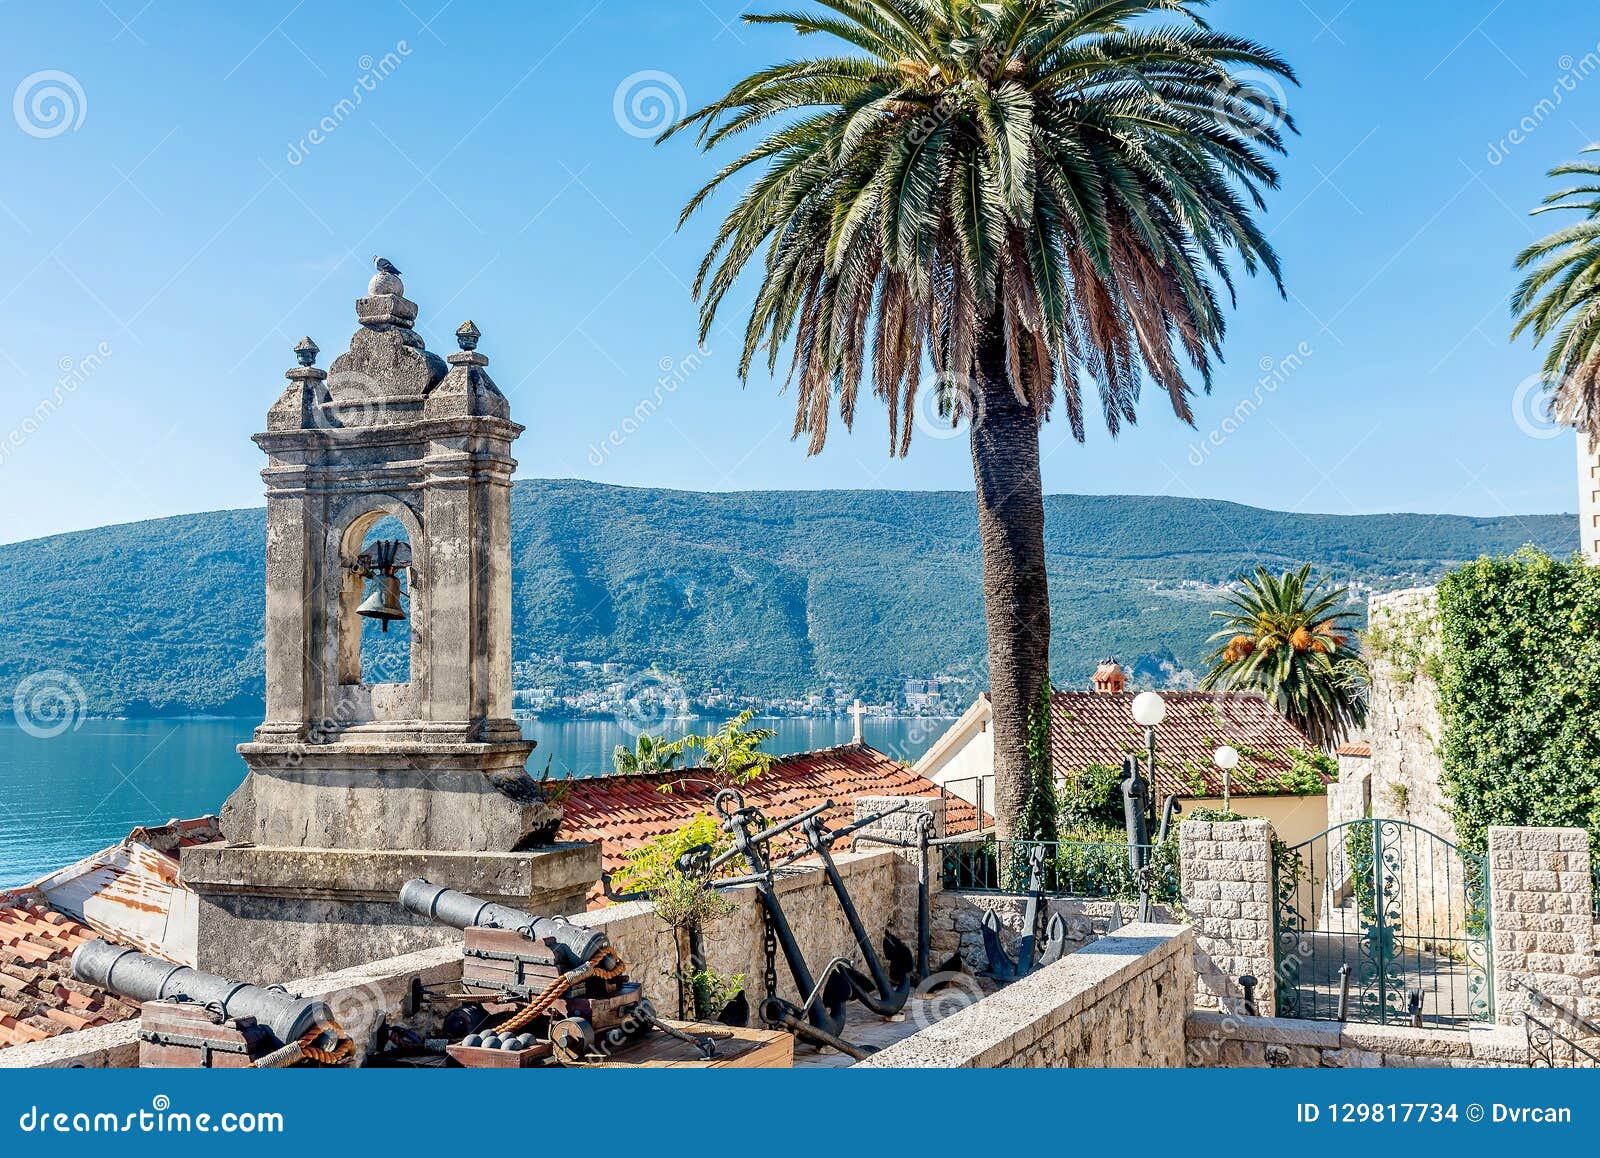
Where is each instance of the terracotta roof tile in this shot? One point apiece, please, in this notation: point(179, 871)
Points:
point(623, 812)
point(1088, 728)
point(38, 997)
point(1356, 749)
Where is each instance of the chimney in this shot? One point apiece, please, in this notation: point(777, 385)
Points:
point(1109, 678)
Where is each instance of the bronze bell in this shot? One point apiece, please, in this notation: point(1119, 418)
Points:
point(384, 602)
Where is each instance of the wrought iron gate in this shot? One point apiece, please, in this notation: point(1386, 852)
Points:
point(1382, 921)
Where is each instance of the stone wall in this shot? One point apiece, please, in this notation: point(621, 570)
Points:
point(1227, 893)
point(1403, 719)
point(1542, 920)
point(1350, 797)
point(956, 922)
point(1227, 1040)
point(1117, 1002)
point(905, 826)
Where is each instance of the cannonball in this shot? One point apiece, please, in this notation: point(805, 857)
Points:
point(472, 1039)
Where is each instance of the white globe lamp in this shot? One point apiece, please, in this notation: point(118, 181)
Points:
point(1149, 709)
point(1226, 758)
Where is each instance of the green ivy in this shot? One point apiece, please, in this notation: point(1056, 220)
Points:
point(1519, 693)
point(1038, 820)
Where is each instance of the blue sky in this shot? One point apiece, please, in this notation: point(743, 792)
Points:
point(168, 245)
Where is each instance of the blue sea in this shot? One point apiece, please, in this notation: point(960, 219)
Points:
point(66, 796)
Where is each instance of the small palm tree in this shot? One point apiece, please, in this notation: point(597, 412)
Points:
point(1560, 296)
point(1284, 638)
point(648, 754)
point(1030, 195)
point(733, 752)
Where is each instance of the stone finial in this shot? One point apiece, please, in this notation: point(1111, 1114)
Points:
point(386, 280)
point(467, 335)
point(306, 351)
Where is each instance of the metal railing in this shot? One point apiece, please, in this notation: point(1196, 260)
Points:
point(1095, 870)
point(1550, 1044)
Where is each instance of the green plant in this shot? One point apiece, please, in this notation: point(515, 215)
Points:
point(712, 991)
point(1400, 793)
point(1283, 636)
point(1030, 196)
point(1519, 694)
point(652, 868)
point(648, 754)
point(1215, 815)
point(1091, 799)
point(1557, 297)
point(733, 752)
point(1308, 773)
point(1039, 815)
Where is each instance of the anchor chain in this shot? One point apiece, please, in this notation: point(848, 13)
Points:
point(769, 945)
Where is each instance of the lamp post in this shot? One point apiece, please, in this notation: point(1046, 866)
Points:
point(1149, 709)
point(1226, 758)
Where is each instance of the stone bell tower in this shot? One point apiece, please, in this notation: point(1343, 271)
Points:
point(356, 784)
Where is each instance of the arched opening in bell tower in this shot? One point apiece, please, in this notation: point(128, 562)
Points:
point(377, 606)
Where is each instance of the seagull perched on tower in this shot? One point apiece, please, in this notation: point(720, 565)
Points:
point(384, 265)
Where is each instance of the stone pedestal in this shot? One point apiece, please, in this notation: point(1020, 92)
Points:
point(272, 914)
point(1226, 868)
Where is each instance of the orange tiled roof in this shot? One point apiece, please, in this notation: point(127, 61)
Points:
point(1360, 748)
point(623, 812)
point(38, 996)
point(1088, 728)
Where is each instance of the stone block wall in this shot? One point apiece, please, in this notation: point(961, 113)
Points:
point(956, 924)
point(1117, 1002)
point(904, 826)
point(1226, 1040)
point(1542, 920)
point(1403, 721)
point(1227, 893)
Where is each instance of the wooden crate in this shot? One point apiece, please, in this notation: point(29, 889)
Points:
point(477, 1058)
point(187, 1036)
point(736, 1049)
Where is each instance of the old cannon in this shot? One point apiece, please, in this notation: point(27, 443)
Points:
point(576, 1002)
point(572, 944)
point(190, 1018)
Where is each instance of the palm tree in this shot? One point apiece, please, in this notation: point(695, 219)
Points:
point(648, 754)
point(733, 752)
point(1283, 637)
point(1029, 194)
point(1560, 296)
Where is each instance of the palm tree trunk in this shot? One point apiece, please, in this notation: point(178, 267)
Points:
point(1016, 600)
